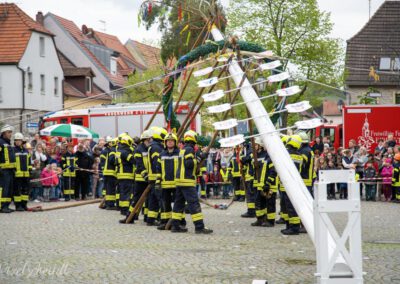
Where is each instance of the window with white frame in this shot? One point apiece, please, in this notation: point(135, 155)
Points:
point(42, 46)
point(30, 82)
point(56, 86)
point(88, 84)
point(113, 66)
point(42, 84)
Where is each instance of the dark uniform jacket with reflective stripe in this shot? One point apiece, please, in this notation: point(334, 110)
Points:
point(107, 161)
point(154, 160)
point(169, 165)
point(307, 170)
point(268, 174)
point(396, 174)
point(142, 162)
point(126, 162)
point(68, 164)
point(261, 156)
point(187, 166)
point(22, 162)
point(234, 166)
point(248, 162)
point(7, 155)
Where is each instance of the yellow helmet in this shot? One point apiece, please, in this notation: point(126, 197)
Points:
point(295, 141)
point(158, 133)
point(114, 142)
point(190, 136)
point(145, 135)
point(171, 136)
point(126, 139)
point(284, 139)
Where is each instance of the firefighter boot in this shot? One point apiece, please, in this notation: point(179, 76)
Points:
point(293, 230)
point(259, 222)
point(178, 229)
point(280, 221)
point(269, 223)
point(302, 229)
point(249, 214)
point(204, 231)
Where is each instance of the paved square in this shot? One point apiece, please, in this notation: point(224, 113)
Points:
point(87, 245)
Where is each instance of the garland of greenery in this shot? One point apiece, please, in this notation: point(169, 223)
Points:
point(202, 51)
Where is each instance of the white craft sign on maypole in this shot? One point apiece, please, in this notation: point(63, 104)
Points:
point(289, 175)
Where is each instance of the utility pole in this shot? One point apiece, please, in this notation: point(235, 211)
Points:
point(369, 9)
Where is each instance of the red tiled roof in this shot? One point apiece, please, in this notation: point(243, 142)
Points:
point(71, 91)
point(65, 62)
point(150, 54)
point(114, 43)
point(76, 33)
point(15, 31)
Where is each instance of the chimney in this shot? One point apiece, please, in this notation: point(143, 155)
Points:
point(85, 29)
point(40, 18)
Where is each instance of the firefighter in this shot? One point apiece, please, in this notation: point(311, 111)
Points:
point(7, 168)
point(107, 164)
point(270, 189)
point(396, 177)
point(23, 166)
point(155, 148)
point(284, 219)
point(293, 145)
point(186, 187)
point(259, 185)
point(169, 165)
point(201, 182)
point(308, 173)
point(141, 172)
point(235, 169)
point(68, 165)
point(125, 173)
point(248, 161)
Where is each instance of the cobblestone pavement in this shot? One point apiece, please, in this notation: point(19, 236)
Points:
point(87, 245)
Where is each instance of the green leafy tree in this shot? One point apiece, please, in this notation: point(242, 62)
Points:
point(293, 29)
point(181, 23)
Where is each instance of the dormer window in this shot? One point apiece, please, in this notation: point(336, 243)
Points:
point(88, 84)
point(113, 66)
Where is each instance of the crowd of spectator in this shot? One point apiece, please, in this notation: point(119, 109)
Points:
point(373, 169)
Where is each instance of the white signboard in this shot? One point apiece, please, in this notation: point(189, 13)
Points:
point(213, 96)
point(278, 77)
point(232, 141)
point(203, 72)
point(286, 92)
point(270, 65)
point(226, 124)
point(219, 108)
point(207, 82)
point(298, 107)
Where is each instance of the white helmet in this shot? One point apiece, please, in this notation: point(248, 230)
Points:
point(258, 140)
point(18, 136)
point(146, 135)
point(109, 139)
point(6, 127)
point(304, 136)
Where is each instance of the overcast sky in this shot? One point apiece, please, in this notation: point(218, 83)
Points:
point(348, 16)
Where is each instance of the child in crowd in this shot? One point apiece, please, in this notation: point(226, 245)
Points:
point(370, 184)
point(225, 179)
point(386, 174)
point(37, 190)
point(55, 187)
point(96, 178)
point(47, 182)
point(331, 186)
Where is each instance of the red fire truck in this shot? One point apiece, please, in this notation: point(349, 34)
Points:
point(366, 124)
point(117, 118)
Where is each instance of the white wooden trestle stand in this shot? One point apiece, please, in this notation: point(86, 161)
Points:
point(329, 271)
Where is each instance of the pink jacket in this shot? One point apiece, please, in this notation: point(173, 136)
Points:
point(386, 174)
point(48, 177)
